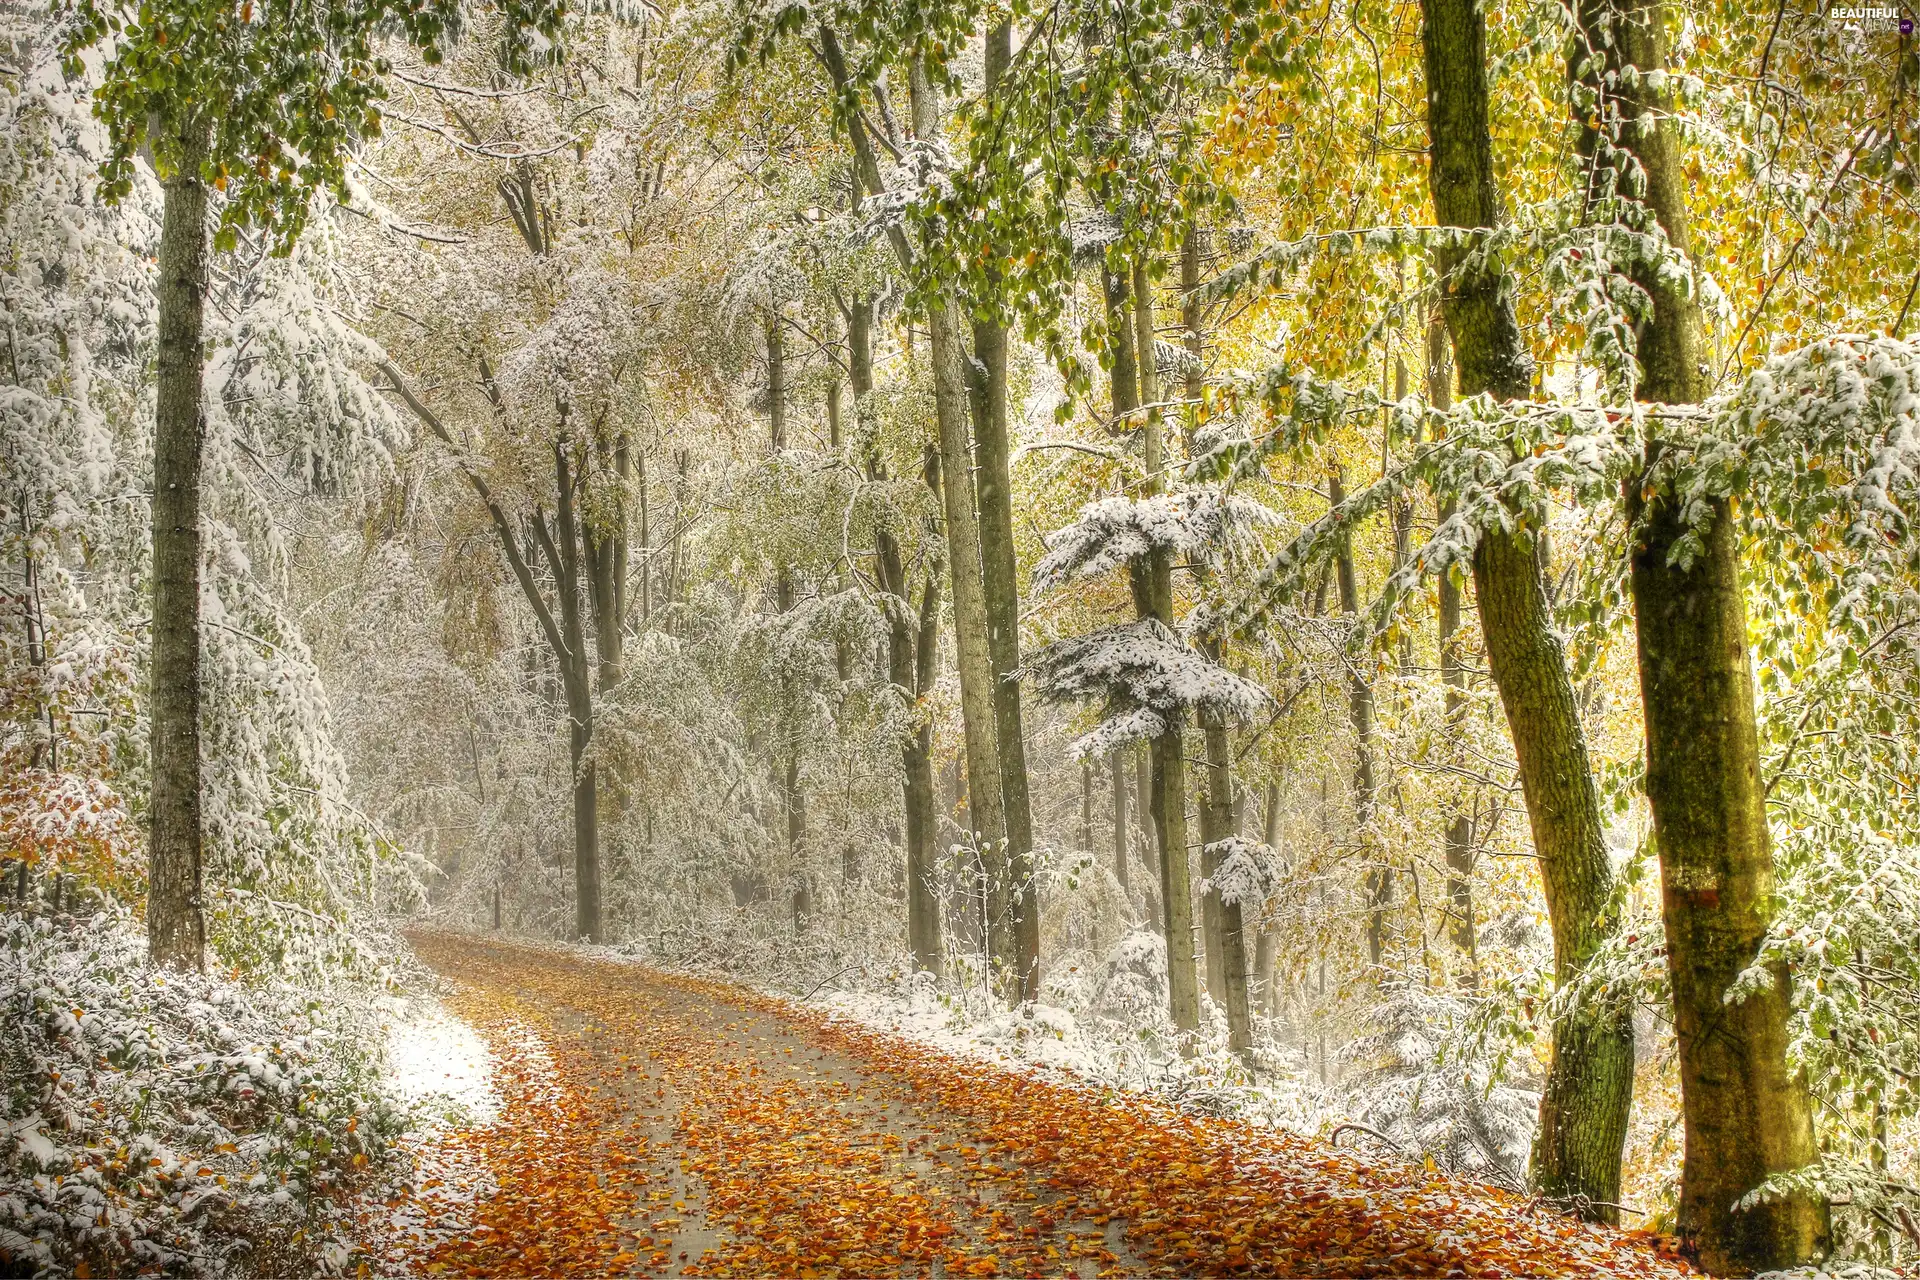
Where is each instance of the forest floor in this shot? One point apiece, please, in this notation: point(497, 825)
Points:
point(654, 1123)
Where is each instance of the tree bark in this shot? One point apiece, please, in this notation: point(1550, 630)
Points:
point(1458, 842)
point(1217, 823)
point(910, 669)
point(562, 549)
point(1378, 878)
point(1001, 587)
point(1589, 1088)
point(977, 710)
point(1747, 1115)
point(1153, 591)
point(176, 921)
point(1117, 762)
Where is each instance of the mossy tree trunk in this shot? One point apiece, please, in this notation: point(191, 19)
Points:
point(1001, 589)
point(1747, 1115)
point(1458, 849)
point(1589, 1087)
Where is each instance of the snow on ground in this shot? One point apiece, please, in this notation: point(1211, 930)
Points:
point(437, 1064)
point(1056, 1043)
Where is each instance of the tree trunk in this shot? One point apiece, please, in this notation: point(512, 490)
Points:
point(776, 382)
point(176, 922)
point(1153, 591)
point(1143, 791)
point(986, 815)
point(796, 842)
point(1747, 1115)
point(1458, 842)
point(562, 548)
point(1378, 878)
point(1589, 1088)
point(910, 669)
point(1117, 762)
point(1001, 586)
point(1217, 823)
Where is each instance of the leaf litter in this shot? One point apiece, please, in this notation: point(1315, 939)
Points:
point(654, 1123)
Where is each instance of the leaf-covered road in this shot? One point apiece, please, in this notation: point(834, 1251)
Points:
point(661, 1124)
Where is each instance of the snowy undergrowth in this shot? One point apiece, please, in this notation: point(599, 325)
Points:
point(184, 1124)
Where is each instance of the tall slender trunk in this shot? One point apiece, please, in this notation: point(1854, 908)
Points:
point(1193, 247)
point(566, 641)
point(1124, 390)
point(1219, 821)
point(1458, 842)
point(1143, 793)
point(910, 669)
point(562, 548)
point(1747, 1114)
point(646, 540)
point(985, 812)
point(1153, 592)
point(1379, 877)
point(1001, 586)
point(787, 775)
point(776, 381)
point(1589, 1087)
point(176, 922)
point(1266, 949)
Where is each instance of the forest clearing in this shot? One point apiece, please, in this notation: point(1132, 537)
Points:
point(895, 637)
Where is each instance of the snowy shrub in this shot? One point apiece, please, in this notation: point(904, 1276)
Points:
point(169, 1122)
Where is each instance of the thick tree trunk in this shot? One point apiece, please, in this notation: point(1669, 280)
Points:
point(1000, 582)
point(1747, 1115)
point(176, 921)
point(1589, 1088)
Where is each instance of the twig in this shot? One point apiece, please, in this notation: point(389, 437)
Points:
point(1334, 1137)
point(829, 978)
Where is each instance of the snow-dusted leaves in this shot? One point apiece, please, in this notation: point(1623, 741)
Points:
point(1244, 874)
point(1146, 676)
point(1199, 523)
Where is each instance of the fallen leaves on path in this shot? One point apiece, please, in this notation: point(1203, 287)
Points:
point(656, 1122)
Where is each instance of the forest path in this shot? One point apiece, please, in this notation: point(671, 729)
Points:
point(659, 1124)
